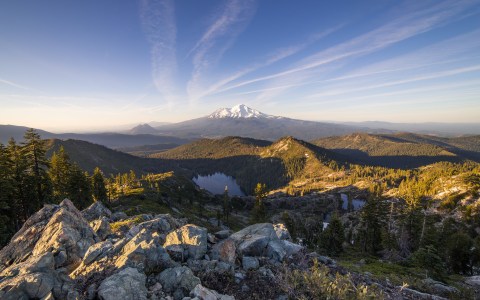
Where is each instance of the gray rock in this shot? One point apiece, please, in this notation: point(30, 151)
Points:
point(178, 281)
point(276, 250)
point(202, 293)
point(440, 288)
point(55, 228)
point(96, 211)
point(160, 223)
point(34, 278)
point(144, 252)
point(101, 227)
point(282, 232)
point(473, 281)
point(291, 248)
point(250, 263)
point(224, 251)
point(96, 250)
point(408, 293)
point(262, 240)
point(193, 238)
point(126, 284)
point(118, 216)
point(223, 234)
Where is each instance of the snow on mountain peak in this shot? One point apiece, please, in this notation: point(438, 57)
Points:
point(238, 112)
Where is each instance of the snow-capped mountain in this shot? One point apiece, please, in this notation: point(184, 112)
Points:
point(245, 121)
point(238, 112)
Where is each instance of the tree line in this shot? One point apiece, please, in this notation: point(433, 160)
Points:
point(28, 180)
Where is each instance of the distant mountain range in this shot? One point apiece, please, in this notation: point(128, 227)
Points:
point(110, 140)
point(239, 120)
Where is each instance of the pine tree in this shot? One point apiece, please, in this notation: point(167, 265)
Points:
point(79, 188)
point(22, 189)
point(7, 205)
point(34, 149)
point(258, 211)
point(373, 221)
point(333, 236)
point(60, 172)
point(99, 190)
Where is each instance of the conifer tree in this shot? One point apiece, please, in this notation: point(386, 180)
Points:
point(79, 188)
point(333, 236)
point(34, 149)
point(258, 211)
point(60, 172)
point(99, 190)
point(7, 205)
point(22, 186)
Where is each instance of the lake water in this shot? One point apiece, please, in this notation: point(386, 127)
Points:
point(217, 182)
point(356, 203)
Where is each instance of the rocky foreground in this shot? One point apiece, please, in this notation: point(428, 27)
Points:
point(62, 253)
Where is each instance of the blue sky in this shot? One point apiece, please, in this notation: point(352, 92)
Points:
point(83, 65)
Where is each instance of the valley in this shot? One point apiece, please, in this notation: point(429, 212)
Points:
point(376, 208)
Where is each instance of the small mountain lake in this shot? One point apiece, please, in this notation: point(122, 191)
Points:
point(217, 182)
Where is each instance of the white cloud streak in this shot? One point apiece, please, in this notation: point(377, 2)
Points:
point(218, 38)
point(404, 27)
point(158, 21)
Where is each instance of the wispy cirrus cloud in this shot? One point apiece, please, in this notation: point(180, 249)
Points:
point(218, 38)
point(402, 27)
point(275, 56)
point(158, 21)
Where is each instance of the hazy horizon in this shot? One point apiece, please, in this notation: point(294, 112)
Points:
point(89, 65)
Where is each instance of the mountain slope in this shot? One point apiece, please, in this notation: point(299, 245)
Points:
point(403, 150)
point(88, 156)
point(247, 122)
point(143, 129)
point(110, 140)
point(251, 161)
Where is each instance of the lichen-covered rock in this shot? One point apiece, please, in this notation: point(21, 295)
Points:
point(291, 248)
point(224, 251)
point(96, 211)
point(202, 293)
point(193, 238)
point(101, 227)
point(126, 284)
point(178, 281)
point(60, 229)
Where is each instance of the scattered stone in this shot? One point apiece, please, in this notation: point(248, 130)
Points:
point(96, 211)
point(223, 234)
point(250, 263)
point(96, 250)
point(126, 284)
point(202, 293)
point(192, 237)
point(440, 288)
point(101, 227)
point(282, 232)
point(178, 281)
point(225, 251)
point(118, 216)
point(144, 252)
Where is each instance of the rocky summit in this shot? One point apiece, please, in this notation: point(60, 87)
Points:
point(63, 253)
